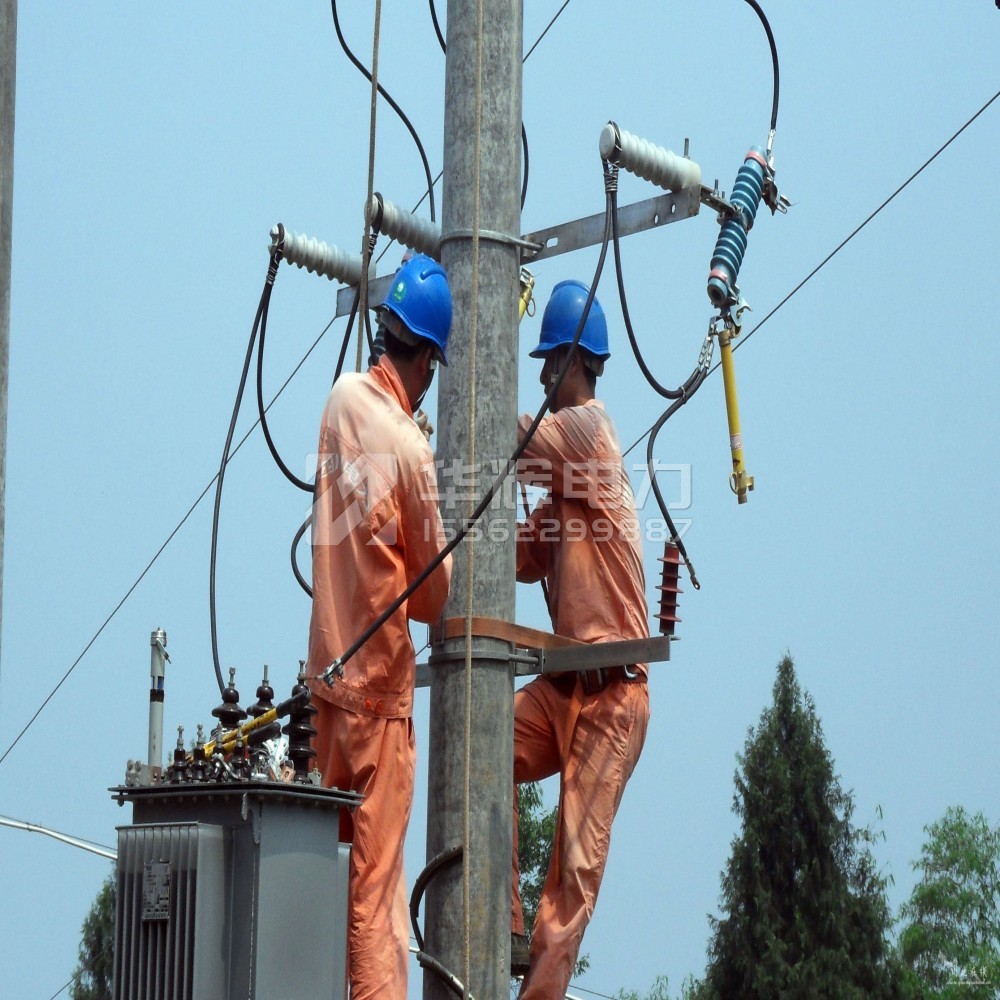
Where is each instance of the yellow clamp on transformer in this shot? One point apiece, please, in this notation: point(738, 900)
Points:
point(526, 304)
point(739, 482)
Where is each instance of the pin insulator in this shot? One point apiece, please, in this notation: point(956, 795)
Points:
point(265, 702)
point(669, 588)
point(199, 769)
point(230, 714)
point(178, 769)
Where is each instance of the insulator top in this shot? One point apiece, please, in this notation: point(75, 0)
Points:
point(404, 227)
point(230, 713)
point(651, 162)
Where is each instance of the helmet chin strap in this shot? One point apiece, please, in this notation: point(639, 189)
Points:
point(430, 379)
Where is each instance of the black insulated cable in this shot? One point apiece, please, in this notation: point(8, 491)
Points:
point(296, 572)
point(510, 465)
point(745, 337)
point(261, 410)
point(685, 387)
point(774, 60)
point(347, 335)
point(702, 374)
point(368, 333)
point(437, 27)
point(295, 565)
point(843, 243)
point(524, 173)
point(445, 975)
point(392, 104)
point(371, 238)
point(430, 870)
point(432, 867)
point(156, 555)
point(680, 395)
point(265, 296)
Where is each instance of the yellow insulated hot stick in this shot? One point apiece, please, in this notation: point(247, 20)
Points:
point(739, 482)
point(228, 740)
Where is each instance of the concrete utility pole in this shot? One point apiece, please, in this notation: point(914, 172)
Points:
point(8, 60)
point(494, 409)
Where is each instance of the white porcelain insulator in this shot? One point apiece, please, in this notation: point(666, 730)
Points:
point(321, 258)
point(651, 162)
point(411, 230)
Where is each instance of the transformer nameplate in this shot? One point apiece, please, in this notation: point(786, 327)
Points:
point(156, 890)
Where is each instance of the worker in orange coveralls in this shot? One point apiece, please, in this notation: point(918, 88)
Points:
point(583, 540)
point(376, 526)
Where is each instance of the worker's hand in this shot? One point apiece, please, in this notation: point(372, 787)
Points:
point(424, 423)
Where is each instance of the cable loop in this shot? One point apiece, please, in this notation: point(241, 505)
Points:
point(610, 177)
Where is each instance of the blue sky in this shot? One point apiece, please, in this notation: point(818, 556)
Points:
point(155, 148)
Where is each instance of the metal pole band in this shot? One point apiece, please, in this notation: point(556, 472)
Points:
point(491, 236)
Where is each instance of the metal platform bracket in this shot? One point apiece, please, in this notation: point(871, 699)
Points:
point(536, 652)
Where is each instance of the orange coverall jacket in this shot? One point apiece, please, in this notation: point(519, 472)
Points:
point(584, 540)
point(376, 526)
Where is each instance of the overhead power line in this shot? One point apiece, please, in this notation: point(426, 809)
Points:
point(546, 31)
point(631, 447)
point(840, 246)
point(159, 551)
point(211, 483)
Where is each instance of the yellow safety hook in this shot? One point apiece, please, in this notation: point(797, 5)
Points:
point(527, 301)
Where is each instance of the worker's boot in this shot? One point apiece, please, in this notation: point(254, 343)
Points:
point(519, 954)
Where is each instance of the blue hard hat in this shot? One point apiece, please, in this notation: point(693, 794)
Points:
point(562, 317)
point(420, 297)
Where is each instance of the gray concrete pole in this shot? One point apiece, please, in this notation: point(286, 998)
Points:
point(489, 752)
point(8, 61)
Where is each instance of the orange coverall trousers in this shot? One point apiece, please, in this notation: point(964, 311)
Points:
point(351, 750)
point(593, 743)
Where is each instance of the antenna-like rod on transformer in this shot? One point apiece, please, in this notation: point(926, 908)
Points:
point(157, 660)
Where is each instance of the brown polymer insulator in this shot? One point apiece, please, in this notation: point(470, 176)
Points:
point(669, 588)
point(300, 731)
point(230, 714)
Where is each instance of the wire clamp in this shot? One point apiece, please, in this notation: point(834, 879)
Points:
point(707, 348)
point(610, 177)
point(335, 670)
point(771, 197)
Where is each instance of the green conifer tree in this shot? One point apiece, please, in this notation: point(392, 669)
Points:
point(804, 907)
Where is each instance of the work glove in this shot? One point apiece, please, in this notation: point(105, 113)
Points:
point(424, 423)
